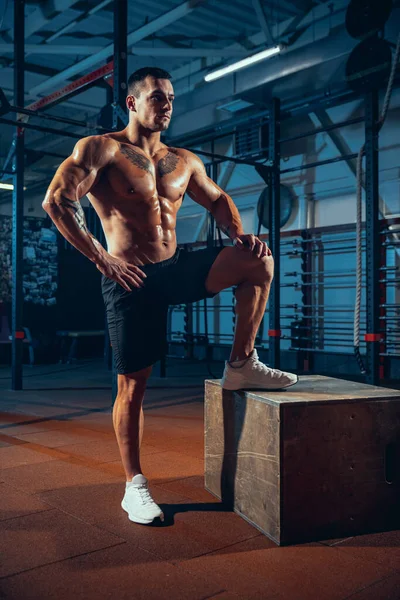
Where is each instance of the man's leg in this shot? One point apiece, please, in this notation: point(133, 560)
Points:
point(128, 419)
point(253, 276)
point(251, 300)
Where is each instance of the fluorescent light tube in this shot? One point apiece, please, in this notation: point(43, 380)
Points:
point(243, 63)
point(7, 186)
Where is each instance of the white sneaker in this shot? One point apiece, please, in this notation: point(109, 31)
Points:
point(255, 375)
point(138, 502)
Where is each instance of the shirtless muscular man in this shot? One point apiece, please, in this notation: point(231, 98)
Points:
point(136, 185)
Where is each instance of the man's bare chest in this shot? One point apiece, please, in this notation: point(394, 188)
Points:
point(133, 174)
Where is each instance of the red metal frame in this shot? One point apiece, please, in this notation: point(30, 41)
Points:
point(73, 87)
point(373, 337)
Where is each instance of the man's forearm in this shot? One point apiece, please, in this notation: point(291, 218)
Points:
point(69, 218)
point(227, 216)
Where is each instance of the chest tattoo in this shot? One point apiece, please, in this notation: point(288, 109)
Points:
point(137, 159)
point(168, 163)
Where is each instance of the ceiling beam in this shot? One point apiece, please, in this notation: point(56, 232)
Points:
point(45, 13)
point(82, 17)
point(263, 22)
point(189, 52)
point(196, 68)
point(139, 34)
point(135, 50)
point(29, 68)
point(289, 7)
point(42, 15)
point(52, 49)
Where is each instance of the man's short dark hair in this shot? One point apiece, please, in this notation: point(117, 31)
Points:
point(135, 81)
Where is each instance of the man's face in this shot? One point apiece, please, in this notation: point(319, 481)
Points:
point(153, 108)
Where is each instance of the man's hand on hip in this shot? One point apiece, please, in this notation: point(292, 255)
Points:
point(121, 271)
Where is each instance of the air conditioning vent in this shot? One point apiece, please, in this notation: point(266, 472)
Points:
point(251, 141)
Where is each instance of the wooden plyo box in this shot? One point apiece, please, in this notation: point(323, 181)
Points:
point(318, 461)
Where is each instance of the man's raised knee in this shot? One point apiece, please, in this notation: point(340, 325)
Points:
point(264, 270)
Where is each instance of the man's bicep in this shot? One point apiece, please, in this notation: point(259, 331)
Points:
point(71, 180)
point(77, 174)
point(201, 188)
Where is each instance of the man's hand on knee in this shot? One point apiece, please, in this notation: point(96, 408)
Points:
point(250, 243)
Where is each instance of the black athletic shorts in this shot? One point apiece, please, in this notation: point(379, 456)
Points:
point(137, 320)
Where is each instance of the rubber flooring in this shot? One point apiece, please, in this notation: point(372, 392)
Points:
point(64, 535)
